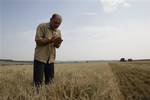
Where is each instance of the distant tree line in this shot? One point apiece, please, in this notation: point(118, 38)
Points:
point(124, 60)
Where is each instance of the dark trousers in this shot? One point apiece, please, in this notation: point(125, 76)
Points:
point(41, 69)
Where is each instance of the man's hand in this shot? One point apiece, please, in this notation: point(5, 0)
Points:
point(45, 41)
point(57, 42)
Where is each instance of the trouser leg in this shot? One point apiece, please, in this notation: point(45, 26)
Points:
point(38, 73)
point(49, 73)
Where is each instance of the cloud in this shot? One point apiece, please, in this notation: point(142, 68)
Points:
point(95, 34)
point(89, 38)
point(101, 32)
point(112, 5)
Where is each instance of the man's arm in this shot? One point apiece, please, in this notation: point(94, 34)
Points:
point(44, 41)
point(40, 37)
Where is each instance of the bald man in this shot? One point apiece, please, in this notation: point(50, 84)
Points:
point(48, 38)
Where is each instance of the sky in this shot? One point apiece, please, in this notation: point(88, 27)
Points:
point(91, 29)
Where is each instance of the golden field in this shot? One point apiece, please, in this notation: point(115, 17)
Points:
point(79, 81)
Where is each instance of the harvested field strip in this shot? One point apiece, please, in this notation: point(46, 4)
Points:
point(133, 80)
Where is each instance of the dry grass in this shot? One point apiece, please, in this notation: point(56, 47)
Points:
point(81, 81)
point(84, 81)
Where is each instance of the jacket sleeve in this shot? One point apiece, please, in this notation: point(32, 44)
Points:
point(39, 33)
point(59, 34)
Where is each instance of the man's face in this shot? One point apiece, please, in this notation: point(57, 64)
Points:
point(55, 22)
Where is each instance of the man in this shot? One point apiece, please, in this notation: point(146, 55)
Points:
point(47, 39)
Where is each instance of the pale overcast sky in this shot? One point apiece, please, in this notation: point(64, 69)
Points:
point(91, 29)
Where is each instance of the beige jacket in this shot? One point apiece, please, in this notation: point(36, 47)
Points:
point(43, 53)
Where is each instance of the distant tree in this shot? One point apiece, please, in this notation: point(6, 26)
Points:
point(130, 60)
point(122, 60)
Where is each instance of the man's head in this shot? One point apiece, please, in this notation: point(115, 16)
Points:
point(55, 21)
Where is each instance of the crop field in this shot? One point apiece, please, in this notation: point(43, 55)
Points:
point(133, 79)
point(79, 81)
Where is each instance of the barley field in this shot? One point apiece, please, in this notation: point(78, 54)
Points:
point(133, 79)
point(79, 81)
